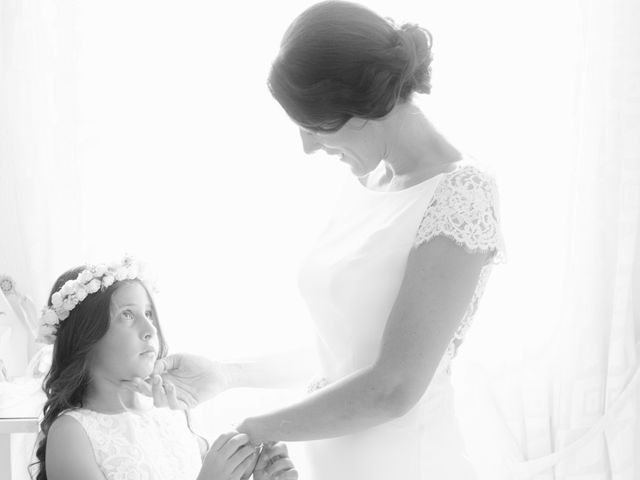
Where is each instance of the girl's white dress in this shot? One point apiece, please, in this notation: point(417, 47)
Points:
point(154, 445)
point(350, 281)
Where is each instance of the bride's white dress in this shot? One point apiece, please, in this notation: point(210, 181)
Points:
point(350, 281)
point(153, 445)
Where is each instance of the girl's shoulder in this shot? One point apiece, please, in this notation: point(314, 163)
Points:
point(68, 444)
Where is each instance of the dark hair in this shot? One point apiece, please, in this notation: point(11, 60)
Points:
point(340, 60)
point(66, 382)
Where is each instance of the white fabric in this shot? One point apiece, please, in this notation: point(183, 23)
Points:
point(571, 411)
point(350, 281)
point(154, 445)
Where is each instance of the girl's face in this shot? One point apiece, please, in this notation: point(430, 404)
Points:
point(130, 346)
point(357, 143)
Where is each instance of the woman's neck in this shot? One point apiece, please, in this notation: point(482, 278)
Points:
point(416, 151)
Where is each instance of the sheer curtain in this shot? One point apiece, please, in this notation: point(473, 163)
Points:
point(146, 127)
point(571, 409)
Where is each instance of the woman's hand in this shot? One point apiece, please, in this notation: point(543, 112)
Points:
point(231, 457)
point(183, 381)
point(274, 464)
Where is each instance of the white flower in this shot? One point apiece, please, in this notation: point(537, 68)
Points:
point(108, 280)
point(56, 299)
point(93, 286)
point(132, 272)
point(68, 303)
point(81, 293)
point(49, 317)
point(67, 288)
point(100, 270)
point(85, 277)
point(63, 314)
point(121, 273)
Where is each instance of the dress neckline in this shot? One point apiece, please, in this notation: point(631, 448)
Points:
point(457, 165)
point(140, 413)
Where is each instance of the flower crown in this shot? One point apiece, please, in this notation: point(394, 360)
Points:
point(94, 278)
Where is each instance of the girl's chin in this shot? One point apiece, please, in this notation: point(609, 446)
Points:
point(143, 371)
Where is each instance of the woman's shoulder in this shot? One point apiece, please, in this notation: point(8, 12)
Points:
point(469, 169)
point(469, 182)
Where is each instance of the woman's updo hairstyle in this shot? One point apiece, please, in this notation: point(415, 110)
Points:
point(340, 60)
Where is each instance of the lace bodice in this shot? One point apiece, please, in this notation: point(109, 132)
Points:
point(155, 445)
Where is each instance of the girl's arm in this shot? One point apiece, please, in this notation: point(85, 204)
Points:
point(439, 283)
point(69, 452)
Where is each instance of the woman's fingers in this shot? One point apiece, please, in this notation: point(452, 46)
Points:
point(159, 395)
point(172, 399)
point(138, 385)
point(277, 449)
point(165, 364)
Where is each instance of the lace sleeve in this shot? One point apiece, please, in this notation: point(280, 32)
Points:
point(465, 209)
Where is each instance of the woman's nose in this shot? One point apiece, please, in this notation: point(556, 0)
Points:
point(309, 143)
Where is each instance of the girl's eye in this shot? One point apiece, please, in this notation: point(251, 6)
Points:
point(127, 315)
point(149, 314)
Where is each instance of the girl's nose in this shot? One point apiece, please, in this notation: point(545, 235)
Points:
point(309, 143)
point(149, 329)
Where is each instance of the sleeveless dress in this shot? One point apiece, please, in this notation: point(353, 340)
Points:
point(350, 281)
point(154, 445)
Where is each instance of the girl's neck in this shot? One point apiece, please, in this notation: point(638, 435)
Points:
point(105, 396)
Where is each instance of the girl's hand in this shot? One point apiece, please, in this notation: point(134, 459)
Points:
point(231, 457)
point(274, 464)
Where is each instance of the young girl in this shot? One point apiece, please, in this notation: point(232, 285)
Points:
point(104, 327)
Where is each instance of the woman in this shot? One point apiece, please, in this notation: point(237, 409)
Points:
point(394, 280)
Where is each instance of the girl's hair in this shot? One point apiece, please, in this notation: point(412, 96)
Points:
point(66, 382)
point(340, 60)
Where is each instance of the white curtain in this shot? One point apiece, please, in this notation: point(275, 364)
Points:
point(571, 409)
point(147, 127)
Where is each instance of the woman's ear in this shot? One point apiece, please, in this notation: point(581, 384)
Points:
point(356, 123)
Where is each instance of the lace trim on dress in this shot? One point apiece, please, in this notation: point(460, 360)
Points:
point(465, 209)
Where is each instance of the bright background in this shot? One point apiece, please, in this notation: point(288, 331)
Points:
point(146, 127)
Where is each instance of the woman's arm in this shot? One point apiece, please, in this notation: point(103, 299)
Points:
point(183, 380)
point(69, 452)
point(437, 288)
point(279, 370)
